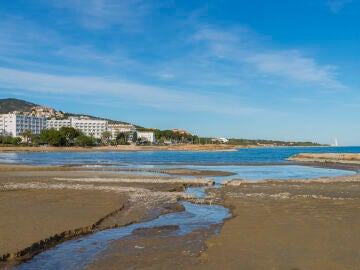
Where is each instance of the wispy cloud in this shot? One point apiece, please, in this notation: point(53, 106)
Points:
point(337, 5)
point(112, 89)
point(99, 14)
point(294, 66)
point(242, 47)
point(19, 37)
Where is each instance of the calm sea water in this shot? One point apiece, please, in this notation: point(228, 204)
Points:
point(242, 156)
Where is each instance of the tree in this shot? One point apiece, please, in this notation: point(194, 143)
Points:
point(123, 137)
point(16, 140)
point(69, 133)
point(26, 134)
point(35, 140)
point(106, 137)
point(84, 140)
point(134, 139)
point(52, 137)
point(7, 140)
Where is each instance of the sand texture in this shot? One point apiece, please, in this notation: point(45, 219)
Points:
point(288, 225)
point(40, 205)
point(340, 158)
point(179, 147)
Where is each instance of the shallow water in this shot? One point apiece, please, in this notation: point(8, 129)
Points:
point(252, 172)
point(75, 254)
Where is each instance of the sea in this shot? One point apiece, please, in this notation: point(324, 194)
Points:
point(243, 156)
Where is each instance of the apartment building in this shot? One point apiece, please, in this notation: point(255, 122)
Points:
point(148, 136)
point(90, 127)
point(115, 129)
point(57, 124)
point(14, 125)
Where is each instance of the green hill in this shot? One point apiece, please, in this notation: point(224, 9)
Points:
point(13, 104)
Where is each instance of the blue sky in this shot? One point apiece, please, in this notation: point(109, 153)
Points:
point(284, 70)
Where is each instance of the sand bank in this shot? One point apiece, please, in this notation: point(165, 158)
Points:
point(288, 225)
point(337, 158)
point(124, 148)
point(277, 224)
point(58, 205)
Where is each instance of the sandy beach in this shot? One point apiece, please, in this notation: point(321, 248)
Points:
point(296, 224)
point(302, 224)
point(276, 224)
point(332, 158)
point(125, 148)
point(39, 204)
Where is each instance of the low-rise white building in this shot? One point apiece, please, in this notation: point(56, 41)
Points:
point(90, 127)
point(14, 125)
point(220, 140)
point(148, 136)
point(115, 129)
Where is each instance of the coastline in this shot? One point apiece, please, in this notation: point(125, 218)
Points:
point(327, 158)
point(198, 250)
point(123, 148)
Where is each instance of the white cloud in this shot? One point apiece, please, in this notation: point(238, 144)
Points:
point(111, 89)
point(292, 65)
point(243, 48)
point(99, 14)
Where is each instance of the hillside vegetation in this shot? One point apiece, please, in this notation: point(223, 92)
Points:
point(13, 104)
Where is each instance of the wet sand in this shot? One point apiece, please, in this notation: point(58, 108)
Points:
point(79, 167)
point(332, 158)
point(153, 249)
point(288, 225)
point(124, 148)
point(40, 204)
point(277, 224)
point(183, 172)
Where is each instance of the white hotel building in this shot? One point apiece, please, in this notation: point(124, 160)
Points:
point(14, 124)
point(115, 129)
point(90, 127)
point(148, 136)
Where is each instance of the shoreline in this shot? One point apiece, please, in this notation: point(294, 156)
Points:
point(203, 256)
point(122, 148)
point(69, 196)
point(336, 158)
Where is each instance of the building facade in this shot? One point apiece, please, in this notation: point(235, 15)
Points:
point(146, 136)
point(57, 124)
point(90, 127)
point(15, 124)
point(115, 129)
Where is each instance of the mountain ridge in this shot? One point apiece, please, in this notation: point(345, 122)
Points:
point(13, 104)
